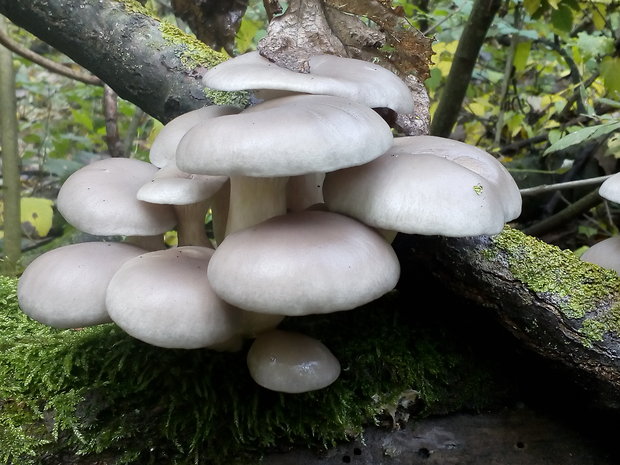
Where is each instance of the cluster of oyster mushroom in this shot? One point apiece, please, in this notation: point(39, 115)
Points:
point(606, 253)
point(306, 190)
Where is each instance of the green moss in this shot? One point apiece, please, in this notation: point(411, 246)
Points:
point(192, 53)
point(101, 394)
point(578, 288)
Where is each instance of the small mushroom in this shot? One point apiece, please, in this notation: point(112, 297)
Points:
point(164, 146)
point(190, 196)
point(605, 253)
point(65, 287)
point(291, 362)
point(100, 199)
point(164, 298)
point(610, 189)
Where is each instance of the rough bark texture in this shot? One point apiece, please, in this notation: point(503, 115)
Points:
point(124, 47)
point(546, 297)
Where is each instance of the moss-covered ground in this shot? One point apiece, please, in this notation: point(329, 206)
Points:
point(99, 394)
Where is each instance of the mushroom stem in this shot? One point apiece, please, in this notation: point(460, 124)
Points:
point(191, 224)
point(219, 212)
point(253, 200)
point(149, 243)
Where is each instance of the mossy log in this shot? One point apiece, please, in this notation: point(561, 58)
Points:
point(560, 307)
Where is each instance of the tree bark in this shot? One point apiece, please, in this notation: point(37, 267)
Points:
point(465, 57)
point(559, 307)
point(125, 47)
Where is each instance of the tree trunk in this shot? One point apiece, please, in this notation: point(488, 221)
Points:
point(465, 57)
point(11, 186)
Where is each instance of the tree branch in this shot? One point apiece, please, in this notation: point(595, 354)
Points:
point(145, 60)
point(46, 63)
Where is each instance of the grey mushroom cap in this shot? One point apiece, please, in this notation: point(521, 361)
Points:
point(100, 199)
point(367, 83)
point(286, 137)
point(416, 194)
point(65, 287)
point(471, 157)
point(302, 263)
point(172, 186)
point(291, 362)
point(605, 253)
point(610, 189)
point(164, 299)
point(164, 146)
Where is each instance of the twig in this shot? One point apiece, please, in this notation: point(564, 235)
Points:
point(575, 209)
point(46, 63)
point(563, 185)
point(110, 111)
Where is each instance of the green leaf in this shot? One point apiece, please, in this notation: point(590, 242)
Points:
point(582, 136)
point(610, 71)
point(522, 53)
point(562, 18)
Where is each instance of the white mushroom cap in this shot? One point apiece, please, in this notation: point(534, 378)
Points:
point(302, 263)
point(285, 137)
point(172, 186)
point(416, 194)
point(605, 253)
point(610, 189)
point(291, 362)
point(164, 146)
point(100, 199)
point(164, 298)
point(367, 83)
point(471, 157)
point(65, 287)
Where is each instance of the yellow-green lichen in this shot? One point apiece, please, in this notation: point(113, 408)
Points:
point(478, 189)
point(194, 53)
point(133, 6)
point(580, 290)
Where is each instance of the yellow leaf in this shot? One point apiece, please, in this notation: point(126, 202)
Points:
point(36, 216)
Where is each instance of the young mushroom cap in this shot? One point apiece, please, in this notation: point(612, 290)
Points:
point(100, 199)
point(302, 263)
point(610, 189)
point(605, 253)
point(65, 287)
point(286, 137)
point(164, 146)
point(291, 362)
point(367, 83)
point(172, 186)
point(416, 194)
point(164, 298)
